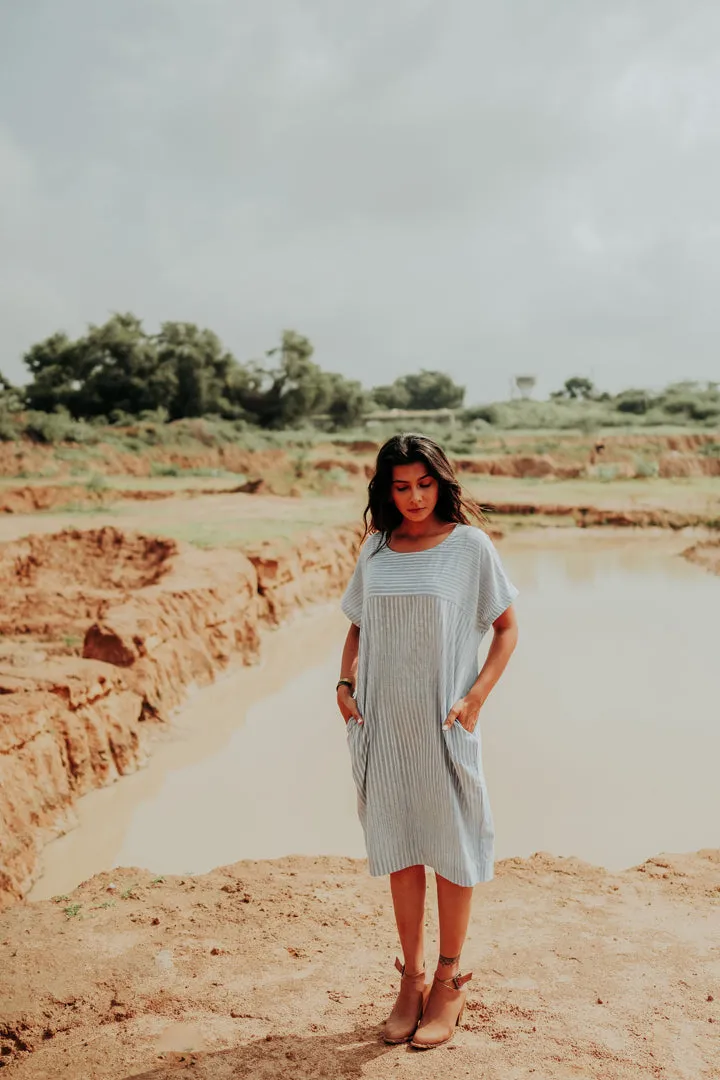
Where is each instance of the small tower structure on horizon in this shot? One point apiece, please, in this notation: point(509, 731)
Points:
point(522, 386)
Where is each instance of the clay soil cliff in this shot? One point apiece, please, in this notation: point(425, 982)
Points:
point(151, 617)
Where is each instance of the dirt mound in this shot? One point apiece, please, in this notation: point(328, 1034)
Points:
point(519, 466)
point(593, 516)
point(155, 617)
point(677, 464)
point(706, 554)
point(54, 586)
point(34, 498)
point(95, 558)
point(540, 467)
point(284, 969)
point(328, 464)
point(363, 446)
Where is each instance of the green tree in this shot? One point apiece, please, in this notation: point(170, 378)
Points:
point(393, 396)
point(636, 402)
point(56, 367)
point(11, 399)
point(350, 402)
point(293, 390)
point(421, 390)
point(206, 376)
point(577, 387)
point(121, 370)
point(114, 366)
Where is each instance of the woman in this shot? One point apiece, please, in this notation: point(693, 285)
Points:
point(426, 588)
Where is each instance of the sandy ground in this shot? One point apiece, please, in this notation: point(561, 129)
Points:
point(284, 969)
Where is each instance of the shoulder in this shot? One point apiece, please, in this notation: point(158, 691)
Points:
point(475, 539)
point(369, 546)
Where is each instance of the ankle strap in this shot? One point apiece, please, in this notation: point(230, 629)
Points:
point(457, 981)
point(401, 969)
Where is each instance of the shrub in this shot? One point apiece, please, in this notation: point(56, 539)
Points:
point(488, 413)
point(49, 428)
point(645, 468)
point(461, 443)
point(160, 468)
point(607, 473)
point(633, 401)
point(8, 427)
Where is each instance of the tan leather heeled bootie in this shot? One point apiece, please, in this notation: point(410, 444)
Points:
point(443, 1012)
point(407, 1010)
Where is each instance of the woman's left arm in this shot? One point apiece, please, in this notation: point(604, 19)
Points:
point(505, 636)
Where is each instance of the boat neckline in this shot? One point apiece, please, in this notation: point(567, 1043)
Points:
point(425, 551)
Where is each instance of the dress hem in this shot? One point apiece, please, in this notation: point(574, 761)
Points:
point(484, 873)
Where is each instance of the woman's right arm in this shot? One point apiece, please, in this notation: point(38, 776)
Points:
point(348, 670)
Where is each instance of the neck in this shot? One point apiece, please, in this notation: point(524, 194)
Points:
point(418, 529)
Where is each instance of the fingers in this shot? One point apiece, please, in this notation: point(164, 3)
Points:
point(352, 714)
point(452, 716)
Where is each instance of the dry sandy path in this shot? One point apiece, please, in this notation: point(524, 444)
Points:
point(284, 969)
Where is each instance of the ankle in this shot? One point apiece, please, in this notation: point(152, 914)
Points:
point(447, 967)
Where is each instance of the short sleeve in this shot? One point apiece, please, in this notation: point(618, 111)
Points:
point(352, 600)
point(495, 590)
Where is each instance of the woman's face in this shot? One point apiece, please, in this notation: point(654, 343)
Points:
point(414, 491)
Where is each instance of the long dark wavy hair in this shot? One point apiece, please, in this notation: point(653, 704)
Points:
point(381, 514)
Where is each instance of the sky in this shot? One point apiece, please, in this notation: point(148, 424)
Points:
point(485, 188)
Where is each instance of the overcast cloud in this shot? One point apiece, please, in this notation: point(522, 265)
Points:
point(488, 188)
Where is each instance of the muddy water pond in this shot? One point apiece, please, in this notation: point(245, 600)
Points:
point(602, 741)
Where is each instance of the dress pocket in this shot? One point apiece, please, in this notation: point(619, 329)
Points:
point(463, 748)
point(358, 746)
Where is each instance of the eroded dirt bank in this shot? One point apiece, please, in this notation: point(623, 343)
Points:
point(705, 554)
point(503, 454)
point(284, 969)
point(587, 517)
point(154, 617)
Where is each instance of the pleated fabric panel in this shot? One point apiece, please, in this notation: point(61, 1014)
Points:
point(422, 797)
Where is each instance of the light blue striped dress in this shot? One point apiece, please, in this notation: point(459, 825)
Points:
point(422, 797)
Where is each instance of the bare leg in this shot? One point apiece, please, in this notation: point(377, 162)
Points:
point(408, 894)
point(454, 903)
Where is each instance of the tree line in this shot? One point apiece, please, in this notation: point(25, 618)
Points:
point(118, 371)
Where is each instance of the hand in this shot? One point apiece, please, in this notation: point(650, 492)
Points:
point(348, 705)
point(466, 711)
